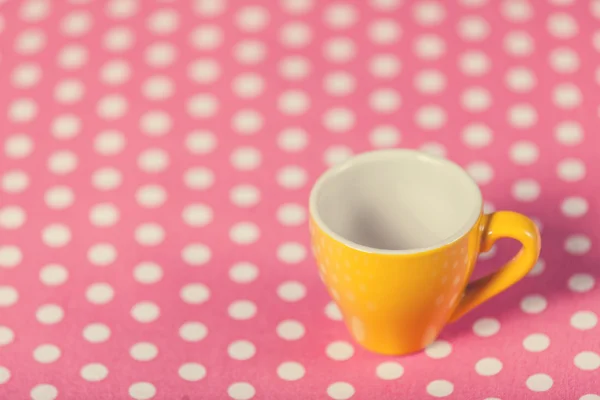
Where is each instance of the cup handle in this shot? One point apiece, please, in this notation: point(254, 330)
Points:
point(502, 224)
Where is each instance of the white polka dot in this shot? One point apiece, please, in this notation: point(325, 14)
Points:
point(518, 43)
point(196, 254)
point(201, 142)
point(247, 122)
point(252, 18)
point(22, 110)
point(522, 116)
point(571, 169)
point(102, 254)
point(145, 312)
point(150, 196)
point(163, 22)
point(206, 37)
point(291, 252)
point(339, 50)
point(76, 23)
point(121, 8)
point(193, 331)
point(96, 333)
point(10, 256)
point(244, 233)
point(158, 87)
point(209, 8)
point(244, 195)
point(291, 214)
point(12, 217)
point(243, 272)
point(488, 366)
point(109, 142)
point(160, 54)
point(293, 102)
point(66, 126)
point(59, 197)
point(295, 35)
point(536, 342)
point(516, 10)
point(143, 351)
point(438, 349)
point(112, 106)
point(26, 75)
point(294, 67)
point(46, 353)
point(153, 160)
point(562, 26)
point(533, 304)
point(520, 79)
point(428, 13)
point(476, 99)
point(539, 383)
point(246, 158)
point(4, 375)
point(340, 391)
point(567, 96)
point(94, 372)
point(430, 81)
point(481, 172)
point(297, 6)
point(569, 133)
point(53, 275)
point(440, 388)
point(199, 178)
point(292, 139)
point(538, 268)
point(473, 28)
point(56, 235)
point(584, 320)
point(340, 16)
point(192, 372)
point(564, 60)
point(292, 177)
point(194, 293)
point(590, 397)
point(524, 152)
point(241, 350)
point(204, 71)
point(384, 136)
point(49, 314)
point(577, 244)
point(14, 181)
point(248, 85)
point(242, 310)
point(106, 179)
point(156, 123)
point(290, 330)
point(43, 391)
point(389, 370)
point(34, 10)
point(291, 291)
point(385, 101)
point(290, 371)
point(332, 311)
point(202, 106)
point(147, 273)
point(526, 190)
point(72, 57)
point(385, 5)
point(18, 146)
point(99, 293)
point(384, 31)
point(6, 335)
point(385, 66)
point(581, 283)
point(118, 39)
point(142, 391)
point(474, 63)
point(339, 83)
point(339, 350)
point(197, 215)
point(249, 52)
point(241, 391)
point(430, 117)
point(477, 135)
point(149, 234)
point(339, 119)
point(486, 327)
point(30, 41)
point(336, 154)
point(429, 46)
point(8, 296)
point(104, 214)
point(62, 162)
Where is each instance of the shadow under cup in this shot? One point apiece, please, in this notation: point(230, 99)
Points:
point(395, 235)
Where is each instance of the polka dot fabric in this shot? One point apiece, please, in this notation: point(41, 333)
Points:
point(155, 163)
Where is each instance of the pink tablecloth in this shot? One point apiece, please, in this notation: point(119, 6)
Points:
point(156, 160)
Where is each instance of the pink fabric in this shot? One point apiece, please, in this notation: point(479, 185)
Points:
point(156, 161)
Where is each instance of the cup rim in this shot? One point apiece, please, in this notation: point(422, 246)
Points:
point(375, 155)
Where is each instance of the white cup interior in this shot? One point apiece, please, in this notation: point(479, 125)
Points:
point(396, 201)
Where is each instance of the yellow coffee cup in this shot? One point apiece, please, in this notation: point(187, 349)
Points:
point(396, 235)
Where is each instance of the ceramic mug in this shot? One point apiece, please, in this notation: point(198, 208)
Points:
point(396, 235)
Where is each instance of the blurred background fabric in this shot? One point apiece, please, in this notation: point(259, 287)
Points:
point(155, 164)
